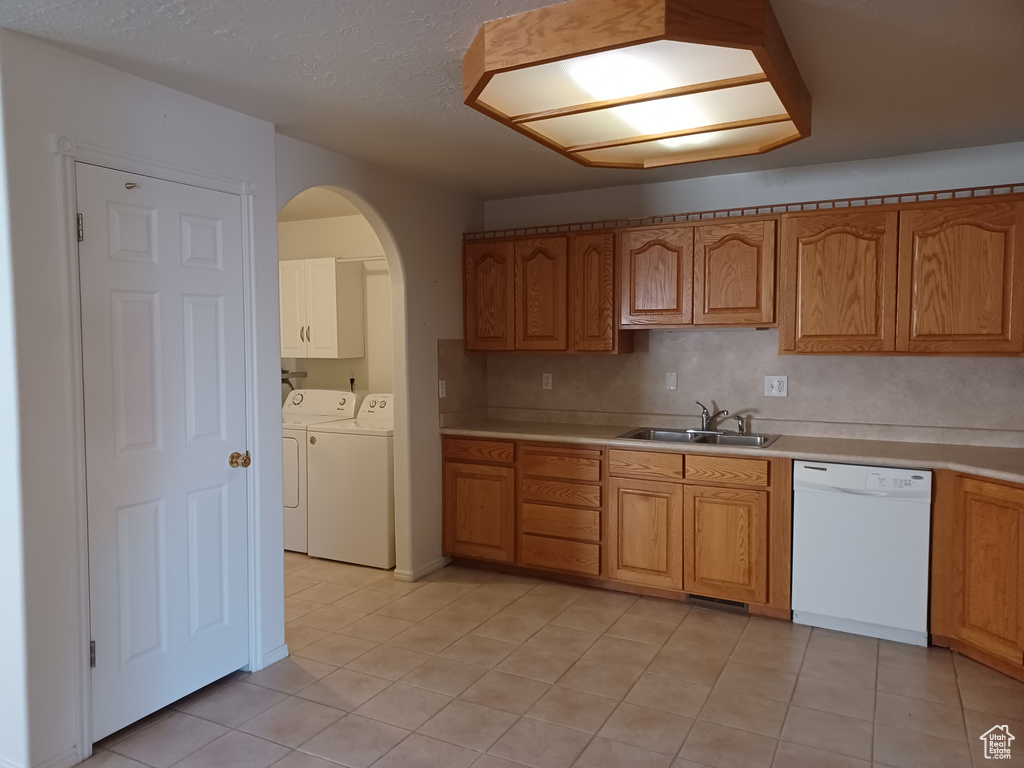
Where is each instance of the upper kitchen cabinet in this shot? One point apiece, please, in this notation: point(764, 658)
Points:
point(657, 276)
point(929, 279)
point(711, 274)
point(541, 277)
point(553, 294)
point(488, 295)
point(961, 279)
point(592, 295)
point(734, 273)
point(321, 308)
point(837, 281)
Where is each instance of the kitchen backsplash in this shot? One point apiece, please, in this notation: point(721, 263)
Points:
point(970, 401)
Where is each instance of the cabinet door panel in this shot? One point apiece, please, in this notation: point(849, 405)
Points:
point(657, 276)
point(726, 543)
point(644, 533)
point(488, 275)
point(292, 275)
point(734, 273)
point(479, 503)
point(961, 279)
point(837, 282)
point(540, 294)
point(993, 568)
point(321, 308)
point(592, 278)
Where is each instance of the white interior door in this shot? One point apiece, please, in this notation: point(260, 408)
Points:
point(292, 277)
point(164, 374)
point(321, 308)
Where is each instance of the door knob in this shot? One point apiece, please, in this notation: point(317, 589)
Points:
point(236, 460)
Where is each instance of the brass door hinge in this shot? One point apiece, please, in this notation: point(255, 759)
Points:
point(81, 229)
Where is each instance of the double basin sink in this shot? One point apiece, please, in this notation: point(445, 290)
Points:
point(699, 438)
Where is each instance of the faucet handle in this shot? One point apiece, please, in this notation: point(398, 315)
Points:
point(705, 415)
point(741, 425)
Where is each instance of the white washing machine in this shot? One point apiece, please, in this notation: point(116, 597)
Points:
point(352, 486)
point(302, 408)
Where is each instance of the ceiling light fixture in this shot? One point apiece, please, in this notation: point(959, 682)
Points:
point(641, 83)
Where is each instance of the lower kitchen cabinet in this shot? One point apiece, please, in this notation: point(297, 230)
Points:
point(654, 522)
point(560, 497)
point(479, 499)
point(645, 531)
point(725, 543)
point(978, 570)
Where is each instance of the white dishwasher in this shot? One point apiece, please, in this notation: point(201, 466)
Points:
point(860, 549)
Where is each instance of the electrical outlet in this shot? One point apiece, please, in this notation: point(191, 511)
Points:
point(545, 381)
point(442, 388)
point(671, 381)
point(776, 386)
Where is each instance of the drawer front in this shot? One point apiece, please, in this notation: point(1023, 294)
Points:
point(564, 522)
point(561, 463)
point(726, 469)
point(490, 451)
point(646, 465)
point(557, 492)
point(558, 554)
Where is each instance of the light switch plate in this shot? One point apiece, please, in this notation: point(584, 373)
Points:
point(671, 381)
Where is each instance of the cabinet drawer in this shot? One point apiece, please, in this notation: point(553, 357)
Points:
point(726, 469)
point(558, 492)
point(491, 451)
point(564, 522)
point(561, 463)
point(646, 464)
point(561, 555)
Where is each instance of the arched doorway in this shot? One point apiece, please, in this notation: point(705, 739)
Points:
point(329, 222)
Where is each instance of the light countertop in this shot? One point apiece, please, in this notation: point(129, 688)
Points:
point(996, 463)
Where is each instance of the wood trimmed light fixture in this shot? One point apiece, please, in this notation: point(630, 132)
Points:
point(641, 83)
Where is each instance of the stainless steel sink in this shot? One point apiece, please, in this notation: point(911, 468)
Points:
point(662, 435)
point(697, 438)
point(749, 441)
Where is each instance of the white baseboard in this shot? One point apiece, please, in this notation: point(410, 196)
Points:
point(274, 656)
point(65, 760)
point(426, 570)
point(4, 763)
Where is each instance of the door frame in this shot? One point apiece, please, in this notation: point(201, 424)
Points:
point(67, 152)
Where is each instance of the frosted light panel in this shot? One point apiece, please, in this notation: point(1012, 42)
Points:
point(614, 74)
point(737, 141)
point(679, 113)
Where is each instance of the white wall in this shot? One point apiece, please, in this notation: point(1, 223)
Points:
point(928, 171)
point(420, 228)
point(345, 237)
point(49, 91)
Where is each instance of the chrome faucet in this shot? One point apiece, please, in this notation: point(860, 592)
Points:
point(707, 419)
point(741, 425)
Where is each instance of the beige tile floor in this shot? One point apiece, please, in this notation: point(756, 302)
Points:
point(469, 668)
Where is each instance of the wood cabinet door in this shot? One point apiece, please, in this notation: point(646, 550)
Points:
point(657, 276)
point(734, 273)
point(541, 293)
point(488, 304)
point(725, 533)
point(962, 278)
point(592, 292)
point(645, 544)
point(479, 511)
point(837, 282)
point(992, 611)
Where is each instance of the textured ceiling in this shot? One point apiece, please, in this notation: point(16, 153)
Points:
point(381, 79)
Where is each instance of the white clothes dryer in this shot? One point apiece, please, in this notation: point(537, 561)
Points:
point(351, 486)
point(302, 408)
